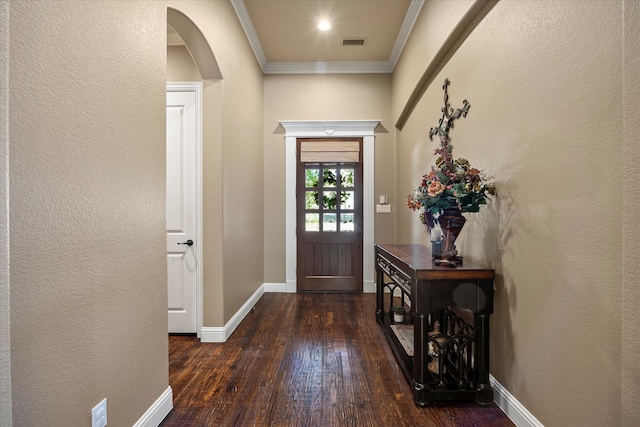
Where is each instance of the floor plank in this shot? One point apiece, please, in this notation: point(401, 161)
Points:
point(306, 359)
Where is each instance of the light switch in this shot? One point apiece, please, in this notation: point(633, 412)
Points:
point(383, 208)
point(384, 199)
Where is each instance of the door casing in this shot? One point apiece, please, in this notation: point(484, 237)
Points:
point(197, 88)
point(338, 129)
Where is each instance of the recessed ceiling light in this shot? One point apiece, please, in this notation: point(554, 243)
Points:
point(324, 25)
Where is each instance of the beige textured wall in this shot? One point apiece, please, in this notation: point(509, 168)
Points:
point(5, 336)
point(232, 164)
point(320, 97)
point(544, 80)
point(88, 269)
point(631, 212)
point(212, 201)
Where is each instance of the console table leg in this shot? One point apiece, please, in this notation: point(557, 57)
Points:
point(379, 294)
point(420, 330)
point(485, 393)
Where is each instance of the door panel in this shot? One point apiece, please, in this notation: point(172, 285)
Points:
point(329, 216)
point(181, 211)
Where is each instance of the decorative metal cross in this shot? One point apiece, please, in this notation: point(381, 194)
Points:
point(448, 115)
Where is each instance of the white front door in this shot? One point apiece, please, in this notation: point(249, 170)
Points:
point(182, 245)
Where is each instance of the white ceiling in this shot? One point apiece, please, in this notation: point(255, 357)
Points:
point(285, 38)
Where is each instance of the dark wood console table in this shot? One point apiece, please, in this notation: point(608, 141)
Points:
point(450, 357)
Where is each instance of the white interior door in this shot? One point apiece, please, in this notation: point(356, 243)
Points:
point(182, 245)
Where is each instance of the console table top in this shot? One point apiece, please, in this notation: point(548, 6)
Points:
point(419, 259)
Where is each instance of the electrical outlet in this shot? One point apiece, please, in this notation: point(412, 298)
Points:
point(99, 414)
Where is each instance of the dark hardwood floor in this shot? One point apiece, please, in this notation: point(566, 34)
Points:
point(306, 359)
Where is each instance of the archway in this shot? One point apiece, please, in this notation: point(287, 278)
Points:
point(196, 43)
point(210, 167)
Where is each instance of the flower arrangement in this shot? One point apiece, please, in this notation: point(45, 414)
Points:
point(451, 183)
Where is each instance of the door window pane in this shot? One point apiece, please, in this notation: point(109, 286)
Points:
point(329, 199)
point(312, 222)
point(346, 177)
point(329, 222)
point(346, 199)
point(311, 177)
point(330, 177)
point(346, 222)
point(311, 200)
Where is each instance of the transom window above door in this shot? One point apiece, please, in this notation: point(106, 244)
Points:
point(329, 197)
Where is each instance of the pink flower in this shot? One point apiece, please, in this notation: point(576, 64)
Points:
point(435, 189)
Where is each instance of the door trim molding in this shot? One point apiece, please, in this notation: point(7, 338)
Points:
point(197, 88)
point(333, 129)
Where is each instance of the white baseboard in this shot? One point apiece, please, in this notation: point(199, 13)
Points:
point(158, 411)
point(275, 287)
point(369, 287)
point(520, 416)
point(221, 334)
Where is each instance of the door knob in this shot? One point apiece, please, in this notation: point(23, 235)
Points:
point(188, 243)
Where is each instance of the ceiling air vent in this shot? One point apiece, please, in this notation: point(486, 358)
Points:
point(354, 41)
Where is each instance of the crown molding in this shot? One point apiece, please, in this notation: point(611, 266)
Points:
point(409, 21)
point(247, 25)
point(381, 67)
